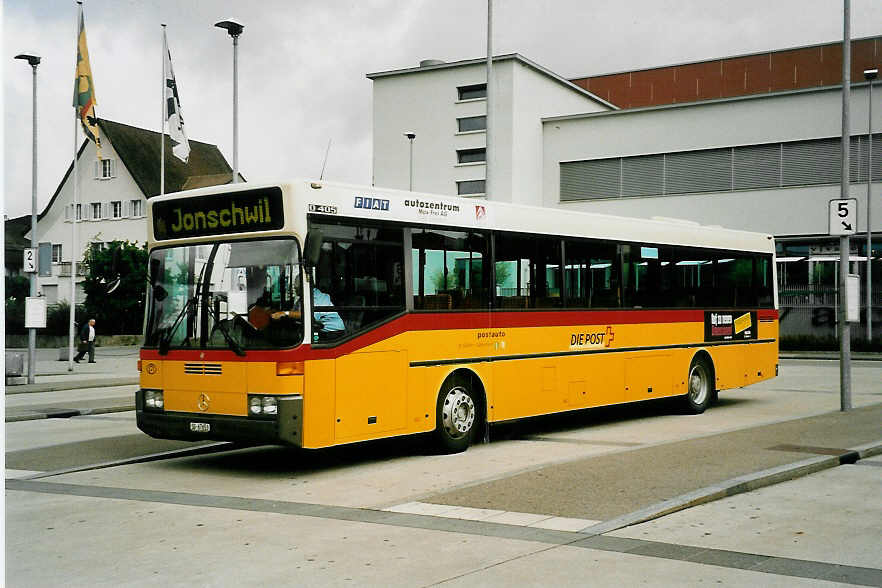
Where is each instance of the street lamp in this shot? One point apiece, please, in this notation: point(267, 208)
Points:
point(33, 61)
point(870, 75)
point(410, 137)
point(234, 28)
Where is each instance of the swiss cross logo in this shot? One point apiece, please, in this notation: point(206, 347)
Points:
point(480, 212)
point(610, 335)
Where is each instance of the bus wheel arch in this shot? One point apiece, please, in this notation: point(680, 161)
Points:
point(460, 411)
point(701, 387)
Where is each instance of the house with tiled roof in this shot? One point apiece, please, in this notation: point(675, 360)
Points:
point(113, 191)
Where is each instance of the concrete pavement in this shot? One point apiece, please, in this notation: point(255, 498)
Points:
point(114, 366)
point(107, 385)
point(335, 516)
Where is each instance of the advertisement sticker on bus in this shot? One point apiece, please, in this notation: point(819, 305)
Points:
point(729, 325)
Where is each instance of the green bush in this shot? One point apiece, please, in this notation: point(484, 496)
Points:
point(58, 319)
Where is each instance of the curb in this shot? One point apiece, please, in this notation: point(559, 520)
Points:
point(72, 385)
point(829, 356)
point(64, 413)
point(734, 486)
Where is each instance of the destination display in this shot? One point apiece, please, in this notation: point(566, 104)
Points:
point(219, 214)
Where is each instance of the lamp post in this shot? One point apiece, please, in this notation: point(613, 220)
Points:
point(33, 61)
point(870, 75)
point(234, 28)
point(410, 137)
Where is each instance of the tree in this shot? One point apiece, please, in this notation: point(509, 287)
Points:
point(17, 289)
point(120, 311)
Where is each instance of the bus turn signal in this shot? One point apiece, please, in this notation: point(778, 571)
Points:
point(289, 368)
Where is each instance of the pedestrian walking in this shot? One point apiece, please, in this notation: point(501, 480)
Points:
point(87, 342)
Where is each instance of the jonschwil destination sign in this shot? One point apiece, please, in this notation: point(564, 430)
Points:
point(219, 214)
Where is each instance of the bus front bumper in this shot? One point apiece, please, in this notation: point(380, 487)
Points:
point(286, 428)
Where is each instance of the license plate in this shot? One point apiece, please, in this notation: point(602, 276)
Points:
point(200, 427)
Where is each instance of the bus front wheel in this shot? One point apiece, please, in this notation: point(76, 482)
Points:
point(700, 385)
point(457, 415)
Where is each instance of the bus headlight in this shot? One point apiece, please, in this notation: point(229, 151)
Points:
point(154, 399)
point(263, 405)
point(270, 406)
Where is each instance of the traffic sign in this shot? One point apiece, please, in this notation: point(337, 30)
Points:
point(843, 217)
point(30, 260)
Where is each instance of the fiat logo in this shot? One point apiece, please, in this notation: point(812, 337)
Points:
point(203, 402)
point(151, 368)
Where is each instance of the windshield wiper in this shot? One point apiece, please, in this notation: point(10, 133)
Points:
point(166, 337)
point(165, 340)
point(231, 343)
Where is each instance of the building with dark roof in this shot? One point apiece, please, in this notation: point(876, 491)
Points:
point(112, 196)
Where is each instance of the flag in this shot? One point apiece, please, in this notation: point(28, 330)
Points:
point(84, 90)
point(173, 115)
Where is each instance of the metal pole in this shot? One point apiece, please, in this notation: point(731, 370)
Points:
point(32, 333)
point(410, 184)
point(844, 329)
point(164, 116)
point(235, 109)
point(869, 225)
point(73, 248)
point(488, 152)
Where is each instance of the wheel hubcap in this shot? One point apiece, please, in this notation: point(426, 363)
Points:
point(458, 413)
point(698, 384)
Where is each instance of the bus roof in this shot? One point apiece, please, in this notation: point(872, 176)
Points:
point(353, 201)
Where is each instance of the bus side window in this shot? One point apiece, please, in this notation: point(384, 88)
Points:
point(360, 269)
point(449, 270)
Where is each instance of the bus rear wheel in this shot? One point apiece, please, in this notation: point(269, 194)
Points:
point(456, 417)
point(699, 385)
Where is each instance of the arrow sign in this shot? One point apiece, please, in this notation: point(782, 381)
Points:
point(842, 217)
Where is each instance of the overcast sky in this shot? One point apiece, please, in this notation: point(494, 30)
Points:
point(302, 64)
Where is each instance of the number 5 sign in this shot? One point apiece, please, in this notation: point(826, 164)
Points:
point(843, 217)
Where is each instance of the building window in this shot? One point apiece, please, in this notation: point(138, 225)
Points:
point(105, 169)
point(56, 253)
point(472, 92)
point(68, 212)
point(471, 155)
point(471, 123)
point(96, 210)
point(470, 187)
point(137, 208)
point(116, 209)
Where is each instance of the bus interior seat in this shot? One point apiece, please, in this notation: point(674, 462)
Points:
point(514, 301)
point(352, 318)
point(437, 302)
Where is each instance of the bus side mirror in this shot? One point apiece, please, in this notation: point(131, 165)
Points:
point(312, 249)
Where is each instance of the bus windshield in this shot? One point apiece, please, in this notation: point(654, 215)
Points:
point(237, 295)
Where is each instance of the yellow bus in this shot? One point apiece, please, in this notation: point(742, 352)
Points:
point(316, 314)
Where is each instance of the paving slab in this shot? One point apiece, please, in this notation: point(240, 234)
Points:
point(834, 516)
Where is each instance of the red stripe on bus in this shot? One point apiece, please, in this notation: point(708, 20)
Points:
point(420, 321)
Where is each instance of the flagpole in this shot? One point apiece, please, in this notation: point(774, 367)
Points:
point(76, 199)
point(164, 116)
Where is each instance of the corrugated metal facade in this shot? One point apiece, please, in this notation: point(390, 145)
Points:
point(744, 167)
